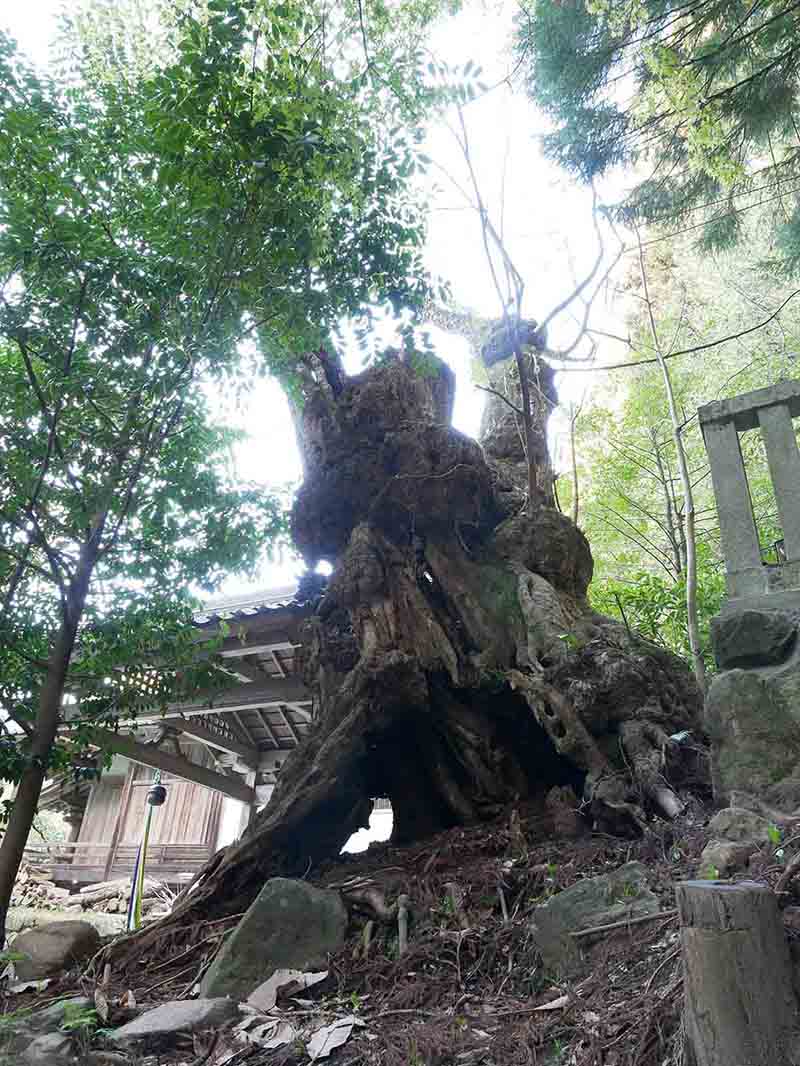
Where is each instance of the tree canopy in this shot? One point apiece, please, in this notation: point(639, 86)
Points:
point(699, 98)
point(629, 504)
point(237, 189)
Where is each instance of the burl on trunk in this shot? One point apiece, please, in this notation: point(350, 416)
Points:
point(456, 664)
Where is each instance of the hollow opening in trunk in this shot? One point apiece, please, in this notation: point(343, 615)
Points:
point(463, 760)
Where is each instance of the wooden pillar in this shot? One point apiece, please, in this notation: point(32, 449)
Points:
point(737, 527)
point(784, 467)
point(740, 1008)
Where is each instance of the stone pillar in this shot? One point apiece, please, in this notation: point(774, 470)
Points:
point(783, 457)
point(751, 706)
point(737, 526)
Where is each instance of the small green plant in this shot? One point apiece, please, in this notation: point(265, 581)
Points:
point(558, 1053)
point(709, 872)
point(414, 1057)
point(11, 1020)
point(570, 640)
point(79, 1019)
point(628, 890)
point(355, 1002)
point(774, 834)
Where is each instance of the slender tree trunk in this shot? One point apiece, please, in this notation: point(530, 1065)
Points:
point(689, 533)
point(672, 525)
point(690, 539)
point(44, 734)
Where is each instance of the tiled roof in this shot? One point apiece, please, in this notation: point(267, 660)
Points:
point(305, 593)
point(243, 606)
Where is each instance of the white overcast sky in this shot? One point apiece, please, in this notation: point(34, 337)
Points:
point(547, 224)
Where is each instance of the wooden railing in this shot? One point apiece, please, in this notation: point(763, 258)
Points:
point(84, 863)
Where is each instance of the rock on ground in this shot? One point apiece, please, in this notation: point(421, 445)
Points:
point(752, 721)
point(54, 947)
point(291, 925)
point(736, 834)
point(737, 823)
point(748, 638)
point(52, 1049)
point(723, 857)
point(178, 1016)
point(611, 897)
point(19, 919)
point(35, 1037)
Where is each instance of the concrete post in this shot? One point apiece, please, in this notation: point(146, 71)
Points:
point(783, 457)
point(737, 526)
point(739, 1002)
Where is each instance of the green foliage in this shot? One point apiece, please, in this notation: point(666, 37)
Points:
point(78, 1019)
point(157, 211)
point(655, 606)
point(631, 501)
point(700, 98)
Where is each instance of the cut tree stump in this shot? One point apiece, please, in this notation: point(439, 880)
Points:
point(740, 1008)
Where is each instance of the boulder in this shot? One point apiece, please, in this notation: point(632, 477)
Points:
point(722, 857)
point(35, 1038)
point(54, 947)
point(53, 1017)
point(750, 638)
point(20, 919)
point(51, 1049)
point(178, 1016)
point(753, 722)
point(612, 897)
point(291, 925)
point(739, 824)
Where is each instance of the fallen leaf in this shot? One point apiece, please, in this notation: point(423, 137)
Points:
point(327, 1039)
point(285, 1034)
point(129, 1000)
point(29, 986)
point(261, 1033)
point(245, 1024)
point(554, 1004)
point(265, 996)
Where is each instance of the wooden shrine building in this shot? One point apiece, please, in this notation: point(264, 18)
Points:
point(218, 758)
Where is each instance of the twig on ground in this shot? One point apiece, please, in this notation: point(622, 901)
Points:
point(660, 967)
point(623, 924)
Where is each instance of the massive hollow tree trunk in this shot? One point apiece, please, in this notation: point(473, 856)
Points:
point(456, 664)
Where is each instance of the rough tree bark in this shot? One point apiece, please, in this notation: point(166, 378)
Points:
point(456, 664)
point(45, 727)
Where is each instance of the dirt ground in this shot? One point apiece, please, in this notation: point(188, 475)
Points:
point(471, 987)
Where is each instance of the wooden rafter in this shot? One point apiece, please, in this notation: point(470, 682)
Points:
point(248, 754)
point(150, 755)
